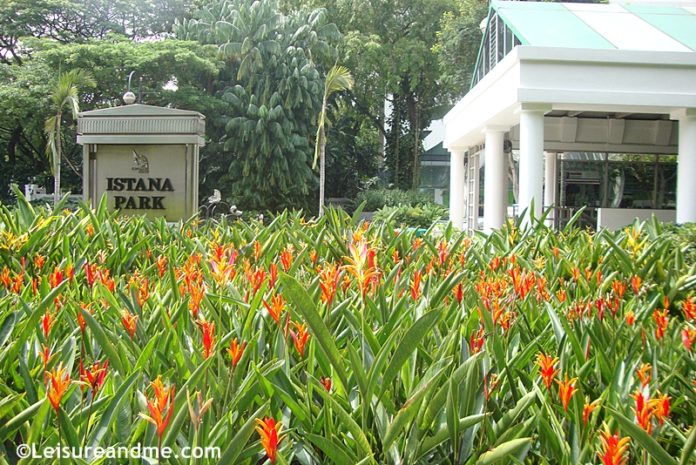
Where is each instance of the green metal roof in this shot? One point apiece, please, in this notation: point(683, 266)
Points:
point(600, 26)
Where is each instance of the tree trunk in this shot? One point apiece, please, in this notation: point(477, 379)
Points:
point(396, 130)
point(56, 168)
point(322, 170)
point(12, 152)
point(416, 146)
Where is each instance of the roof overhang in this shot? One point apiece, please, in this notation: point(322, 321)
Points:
point(141, 124)
point(566, 79)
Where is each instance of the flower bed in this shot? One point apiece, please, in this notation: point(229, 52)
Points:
point(331, 342)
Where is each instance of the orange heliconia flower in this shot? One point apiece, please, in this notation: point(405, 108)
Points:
point(273, 271)
point(547, 368)
point(55, 278)
point(630, 318)
point(47, 322)
point(208, 329)
point(326, 382)
point(81, 322)
point(587, 410)
point(442, 252)
point(661, 321)
point(196, 293)
point(39, 261)
point(613, 449)
point(161, 407)
point(362, 265)
point(660, 407)
point(269, 432)
point(313, 256)
point(458, 292)
point(286, 257)
point(257, 251)
point(276, 307)
point(94, 375)
point(235, 350)
point(566, 390)
point(644, 374)
point(689, 308)
point(416, 284)
point(45, 355)
point(161, 263)
point(477, 340)
point(58, 383)
point(643, 411)
point(255, 278)
point(329, 277)
point(688, 338)
point(636, 282)
point(300, 337)
point(619, 288)
point(130, 322)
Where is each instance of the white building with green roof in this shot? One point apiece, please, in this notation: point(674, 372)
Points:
point(587, 79)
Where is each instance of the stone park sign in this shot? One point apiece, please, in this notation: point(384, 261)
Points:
point(143, 158)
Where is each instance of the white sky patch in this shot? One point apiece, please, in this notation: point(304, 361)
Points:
point(172, 84)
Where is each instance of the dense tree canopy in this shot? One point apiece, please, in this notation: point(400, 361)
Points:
point(256, 70)
point(272, 98)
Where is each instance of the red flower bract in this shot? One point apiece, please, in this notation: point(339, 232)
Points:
point(613, 450)
point(547, 368)
point(58, 383)
point(269, 432)
point(161, 406)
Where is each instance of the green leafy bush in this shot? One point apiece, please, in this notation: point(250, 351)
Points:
point(376, 199)
point(684, 238)
point(420, 216)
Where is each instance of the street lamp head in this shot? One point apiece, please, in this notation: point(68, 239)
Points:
point(129, 98)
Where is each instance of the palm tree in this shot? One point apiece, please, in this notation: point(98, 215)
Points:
point(63, 96)
point(338, 79)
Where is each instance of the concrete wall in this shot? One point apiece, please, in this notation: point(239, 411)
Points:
point(618, 218)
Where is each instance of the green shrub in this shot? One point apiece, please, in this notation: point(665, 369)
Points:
point(378, 198)
point(684, 237)
point(419, 216)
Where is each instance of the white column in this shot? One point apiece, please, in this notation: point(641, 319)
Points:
point(495, 185)
point(686, 170)
point(550, 182)
point(531, 161)
point(456, 200)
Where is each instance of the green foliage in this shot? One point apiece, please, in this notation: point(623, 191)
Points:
point(458, 44)
point(24, 88)
point(376, 33)
point(418, 216)
point(273, 87)
point(376, 199)
point(430, 342)
point(683, 237)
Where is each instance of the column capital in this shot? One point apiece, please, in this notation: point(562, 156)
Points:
point(459, 149)
point(495, 128)
point(534, 107)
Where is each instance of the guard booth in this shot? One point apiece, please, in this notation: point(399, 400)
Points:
point(143, 158)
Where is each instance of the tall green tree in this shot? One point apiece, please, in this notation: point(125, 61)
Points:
point(389, 49)
point(338, 79)
point(273, 88)
point(64, 97)
point(457, 46)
